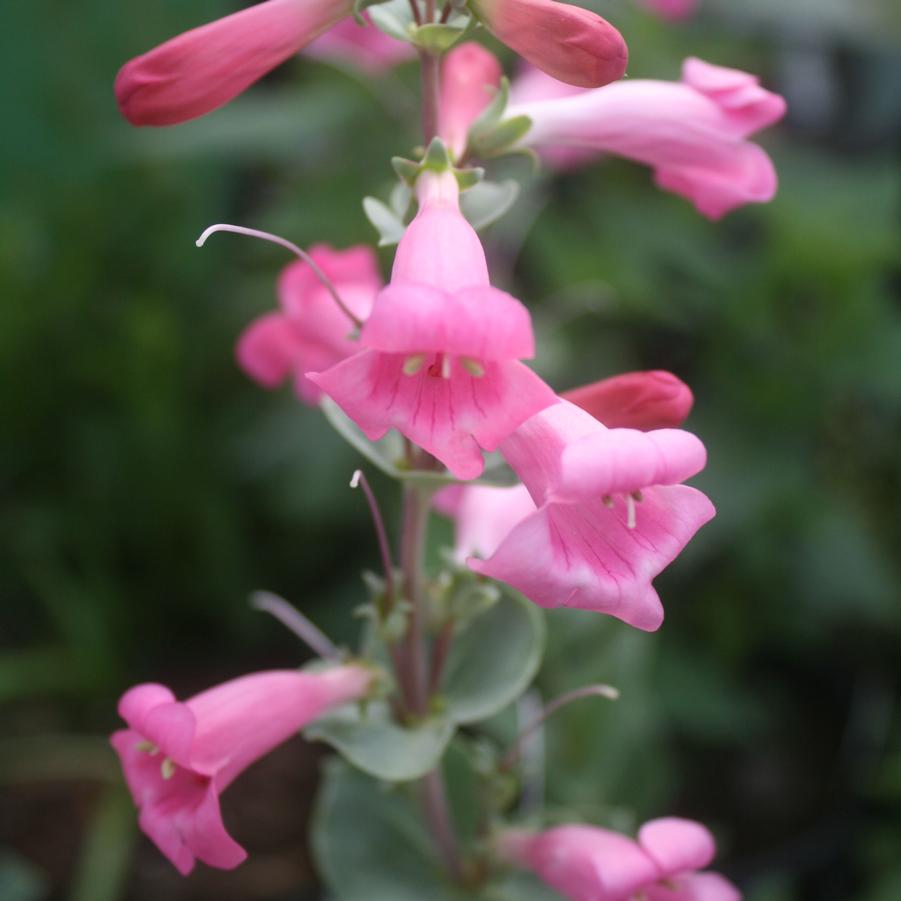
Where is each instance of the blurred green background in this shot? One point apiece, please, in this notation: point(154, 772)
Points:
point(148, 486)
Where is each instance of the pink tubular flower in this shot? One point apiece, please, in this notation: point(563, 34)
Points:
point(178, 757)
point(635, 400)
point(673, 10)
point(692, 133)
point(611, 513)
point(363, 46)
point(441, 347)
point(568, 42)
point(470, 75)
point(587, 863)
point(202, 69)
point(310, 331)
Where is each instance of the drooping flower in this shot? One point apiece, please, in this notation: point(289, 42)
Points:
point(310, 331)
point(611, 513)
point(364, 47)
point(674, 10)
point(204, 68)
point(568, 42)
point(635, 400)
point(442, 347)
point(469, 75)
point(587, 863)
point(178, 757)
point(693, 133)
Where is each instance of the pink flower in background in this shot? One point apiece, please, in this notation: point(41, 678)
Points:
point(310, 331)
point(635, 400)
point(674, 10)
point(470, 76)
point(587, 863)
point(178, 757)
point(568, 42)
point(203, 69)
point(442, 347)
point(611, 513)
point(693, 133)
point(364, 47)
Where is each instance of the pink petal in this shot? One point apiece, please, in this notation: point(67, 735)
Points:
point(568, 42)
point(635, 400)
point(625, 460)
point(677, 845)
point(470, 77)
point(268, 349)
point(695, 887)
point(206, 836)
point(451, 418)
point(151, 710)
point(485, 516)
point(440, 248)
point(204, 68)
point(483, 323)
point(584, 555)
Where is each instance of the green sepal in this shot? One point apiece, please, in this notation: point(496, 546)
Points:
point(407, 170)
point(394, 18)
point(501, 139)
point(437, 37)
point(359, 6)
point(491, 115)
point(437, 157)
point(384, 220)
point(469, 178)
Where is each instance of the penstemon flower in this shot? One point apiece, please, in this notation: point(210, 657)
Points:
point(693, 133)
point(178, 757)
point(611, 513)
point(310, 331)
point(441, 349)
point(587, 863)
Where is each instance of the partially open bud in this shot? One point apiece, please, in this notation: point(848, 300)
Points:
point(470, 76)
point(570, 43)
point(636, 400)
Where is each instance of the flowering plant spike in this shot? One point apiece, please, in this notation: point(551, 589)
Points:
point(559, 499)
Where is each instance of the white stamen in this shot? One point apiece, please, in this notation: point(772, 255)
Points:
point(473, 367)
point(445, 366)
point(355, 478)
point(413, 364)
point(630, 512)
point(167, 768)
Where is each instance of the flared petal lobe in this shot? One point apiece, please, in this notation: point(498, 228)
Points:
point(568, 42)
point(677, 845)
point(635, 400)
point(450, 417)
point(178, 757)
point(470, 76)
point(693, 133)
point(203, 69)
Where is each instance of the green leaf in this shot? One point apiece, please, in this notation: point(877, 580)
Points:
point(373, 742)
point(487, 201)
point(494, 659)
point(384, 220)
point(19, 879)
point(437, 37)
point(394, 18)
point(370, 843)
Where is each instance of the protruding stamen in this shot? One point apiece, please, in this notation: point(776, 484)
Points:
point(630, 511)
point(608, 501)
point(445, 366)
point(148, 747)
point(167, 768)
point(413, 364)
point(355, 478)
point(473, 367)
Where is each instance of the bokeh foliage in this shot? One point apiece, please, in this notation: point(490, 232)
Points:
point(148, 487)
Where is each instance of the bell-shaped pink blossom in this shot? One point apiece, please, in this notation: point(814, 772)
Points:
point(692, 133)
point(470, 75)
point(674, 10)
point(202, 69)
point(587, 863)
point(178, 757)
point(310, 331)
point(363, 47)
point(568, 42)
point(442, 347)
point(611, 513)
point(635, 400)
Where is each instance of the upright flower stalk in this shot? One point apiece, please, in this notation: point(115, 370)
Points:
point(438, 356)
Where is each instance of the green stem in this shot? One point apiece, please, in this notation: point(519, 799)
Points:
point(412, 549)
point(431, 87)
